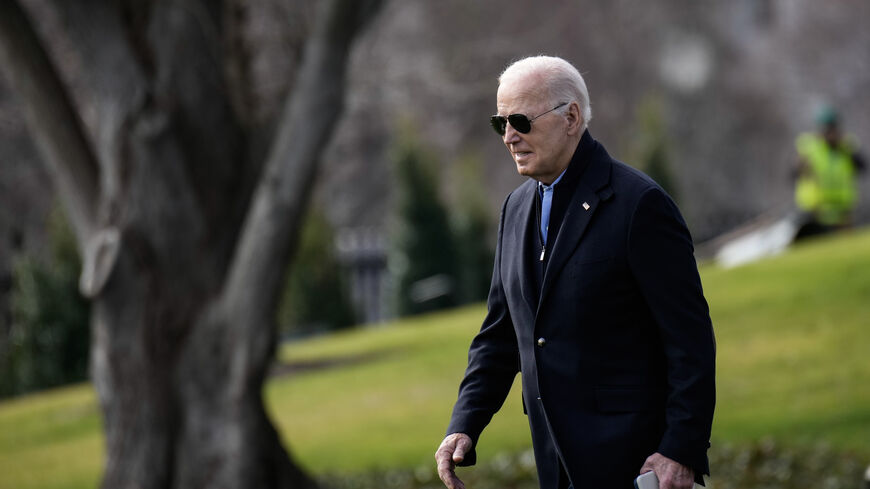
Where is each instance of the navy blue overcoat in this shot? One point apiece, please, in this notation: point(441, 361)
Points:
point(616, 349)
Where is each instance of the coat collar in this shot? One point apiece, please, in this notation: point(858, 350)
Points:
point(591, 164)
point(593, 188)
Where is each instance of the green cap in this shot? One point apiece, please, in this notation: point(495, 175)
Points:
point(827, 116)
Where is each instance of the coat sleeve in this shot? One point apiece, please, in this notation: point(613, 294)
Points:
point(661, 257)
point(492, 364)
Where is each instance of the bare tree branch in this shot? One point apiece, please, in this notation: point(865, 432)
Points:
point(279, 201)
point(53, 120)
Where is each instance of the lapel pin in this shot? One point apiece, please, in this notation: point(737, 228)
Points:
point(585, 206)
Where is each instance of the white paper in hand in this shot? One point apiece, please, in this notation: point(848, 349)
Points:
point(647, 480)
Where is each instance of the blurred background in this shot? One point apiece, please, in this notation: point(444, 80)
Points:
point(707, 97)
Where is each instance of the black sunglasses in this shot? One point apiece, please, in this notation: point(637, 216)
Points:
point(520, 122)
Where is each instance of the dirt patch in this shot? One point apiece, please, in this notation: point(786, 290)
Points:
point(306, 366)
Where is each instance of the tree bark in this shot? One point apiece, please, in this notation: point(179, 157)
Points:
point(60, 140)
point(188, 245)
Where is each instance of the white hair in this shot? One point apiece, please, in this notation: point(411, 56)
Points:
point(561, 81)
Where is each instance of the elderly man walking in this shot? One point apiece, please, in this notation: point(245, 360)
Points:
point(595, 299)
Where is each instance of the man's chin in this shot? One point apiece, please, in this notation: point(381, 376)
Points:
point(524, 169)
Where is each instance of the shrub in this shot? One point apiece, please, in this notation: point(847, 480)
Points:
point(315, 297)
point(761, 465)
point(49, 338)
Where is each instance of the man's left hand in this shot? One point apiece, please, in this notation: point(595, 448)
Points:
point(671, 474)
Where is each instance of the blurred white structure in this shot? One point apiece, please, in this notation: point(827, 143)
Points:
point(363, 253)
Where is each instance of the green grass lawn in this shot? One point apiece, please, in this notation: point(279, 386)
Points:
point(793, 337)
point(794, 345)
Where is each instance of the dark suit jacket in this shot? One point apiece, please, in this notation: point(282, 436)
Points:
point(616, 351)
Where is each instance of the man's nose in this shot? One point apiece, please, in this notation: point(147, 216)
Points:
point(511, 135)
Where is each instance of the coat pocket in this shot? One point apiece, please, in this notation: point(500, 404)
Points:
point(618, 399)
point(581, 267)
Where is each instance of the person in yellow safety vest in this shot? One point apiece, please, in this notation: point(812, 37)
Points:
point(826, 189)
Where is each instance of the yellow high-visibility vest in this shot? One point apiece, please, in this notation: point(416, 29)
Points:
point(828, 190)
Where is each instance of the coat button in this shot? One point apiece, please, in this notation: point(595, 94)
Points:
point(542, 342)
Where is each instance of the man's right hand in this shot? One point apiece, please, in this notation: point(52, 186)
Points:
point(452, 450)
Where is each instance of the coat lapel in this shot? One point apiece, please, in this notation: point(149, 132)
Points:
point(525, 224)
point(592, 190)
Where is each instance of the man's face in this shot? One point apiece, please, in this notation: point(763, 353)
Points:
point(545, 151)
point(831, 133)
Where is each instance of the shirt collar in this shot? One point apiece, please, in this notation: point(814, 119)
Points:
point(542, 186)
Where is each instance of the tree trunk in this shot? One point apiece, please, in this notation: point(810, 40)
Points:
point(184, 249)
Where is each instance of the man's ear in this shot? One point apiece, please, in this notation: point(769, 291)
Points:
point(575, 119)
